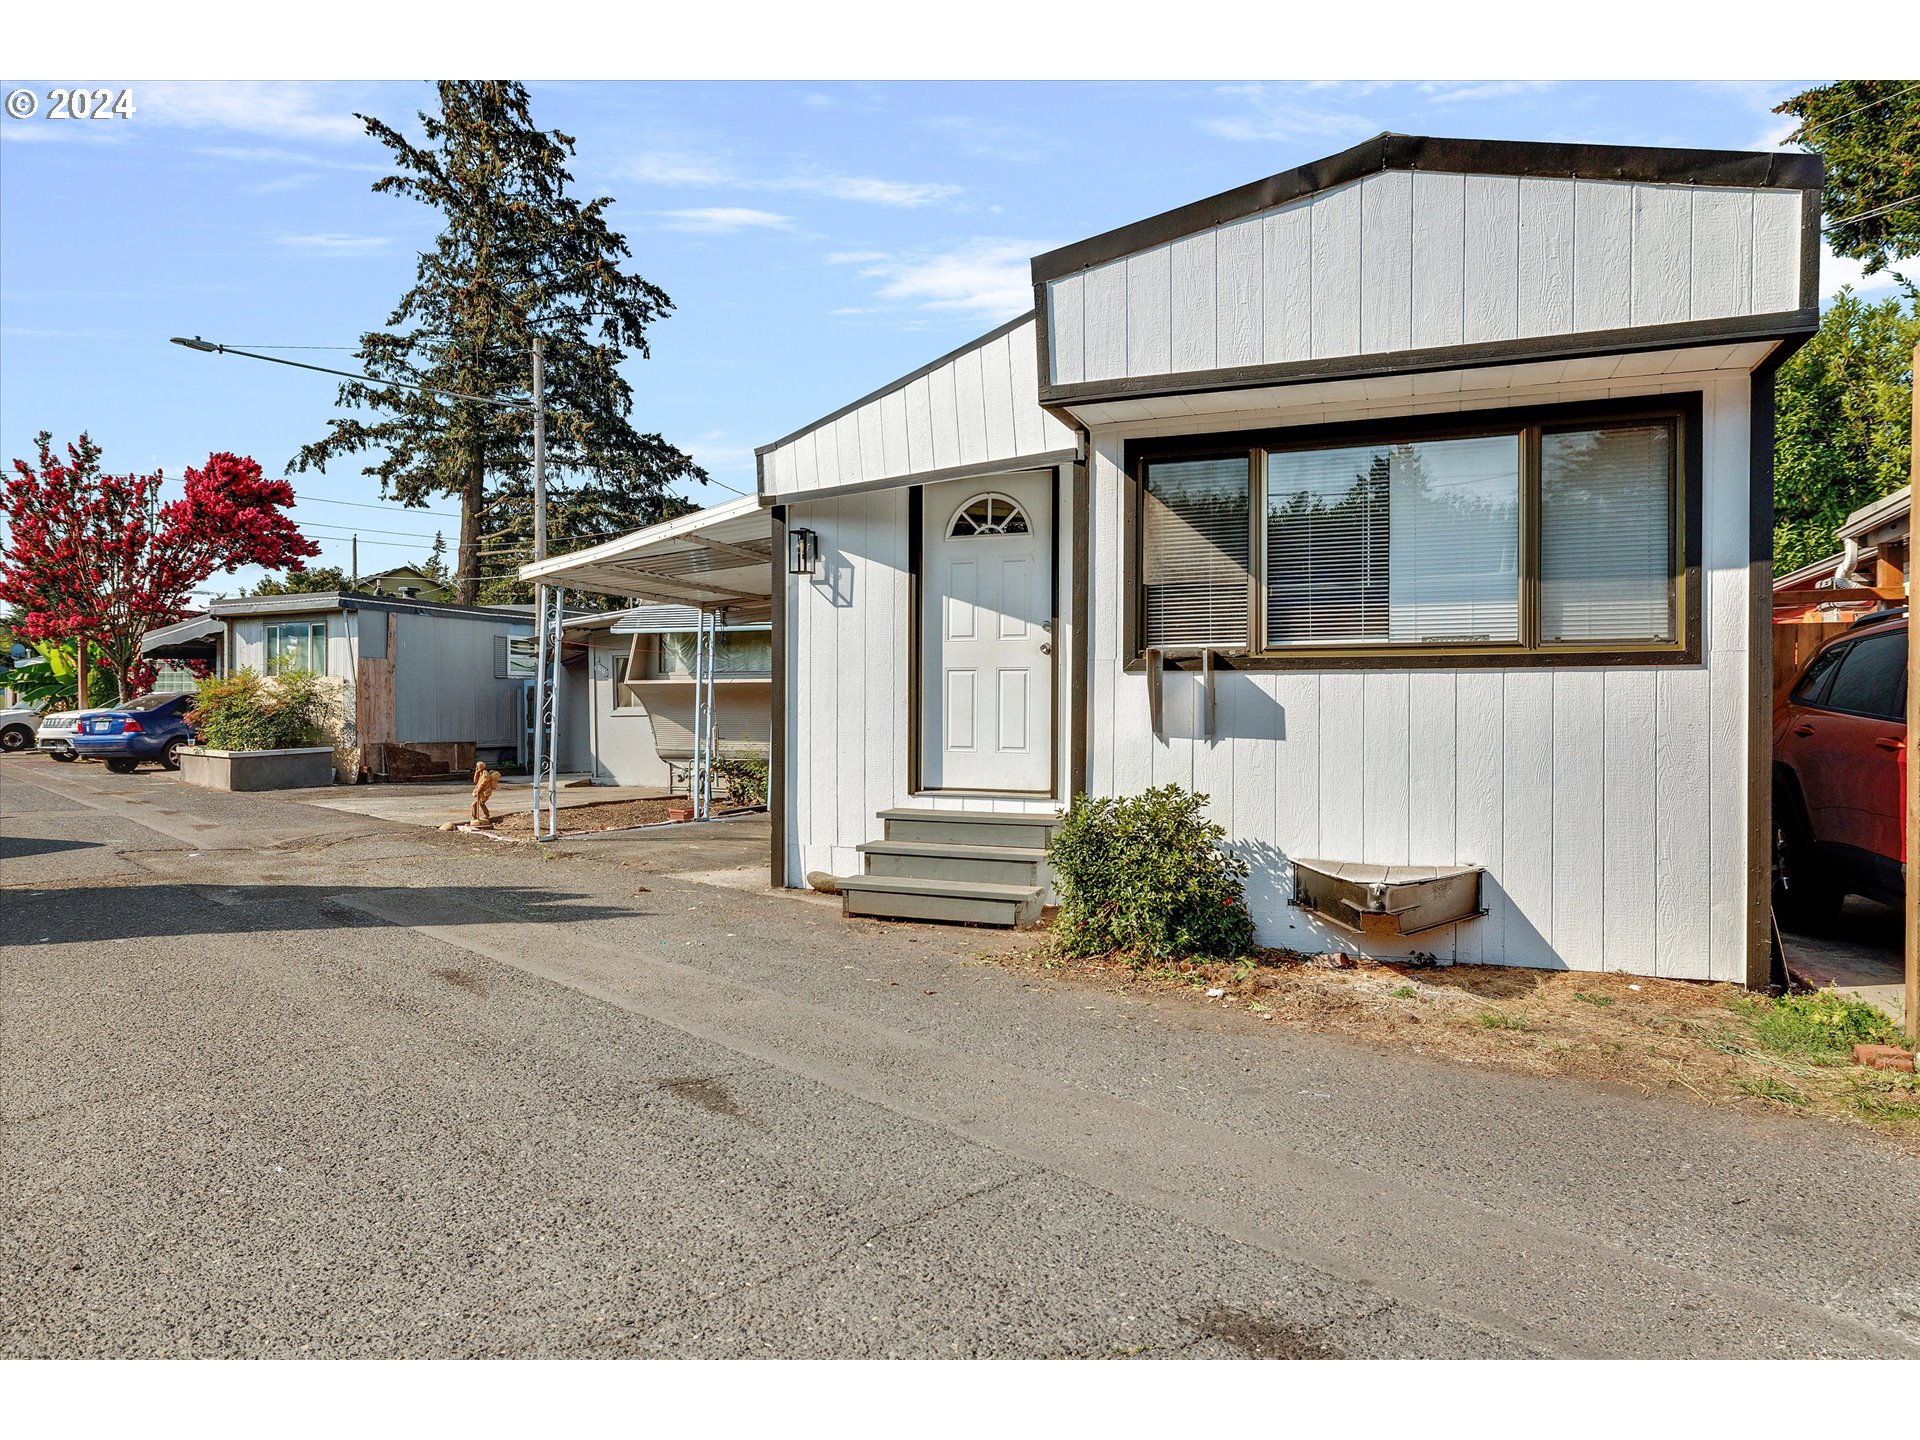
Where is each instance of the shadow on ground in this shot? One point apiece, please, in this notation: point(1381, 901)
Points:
point(64, 917)
point(15, 847)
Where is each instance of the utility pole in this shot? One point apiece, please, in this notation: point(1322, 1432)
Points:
point(550, 611)
point(1911, 1013)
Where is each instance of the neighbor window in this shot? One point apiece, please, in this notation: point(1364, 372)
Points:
point(1510, 534)
point(742, 653)
point(299, 645)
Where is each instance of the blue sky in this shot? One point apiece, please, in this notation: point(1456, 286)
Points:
point(817, 239)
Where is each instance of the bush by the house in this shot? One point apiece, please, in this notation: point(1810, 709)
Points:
point(1148, 876)
point(746, 775)
point(243, 711)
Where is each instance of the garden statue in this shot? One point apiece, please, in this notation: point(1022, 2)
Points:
point(484, 781)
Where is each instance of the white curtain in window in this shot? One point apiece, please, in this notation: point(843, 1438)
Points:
point(1197, 533)
point(1606, 534)
point(1405, 544)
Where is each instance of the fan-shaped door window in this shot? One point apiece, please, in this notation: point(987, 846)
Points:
point(988, 515)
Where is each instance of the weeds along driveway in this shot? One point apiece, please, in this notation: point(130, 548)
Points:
point(992, 1161)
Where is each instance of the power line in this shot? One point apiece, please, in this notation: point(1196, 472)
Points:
point(1800, 136)
point(1869, 214)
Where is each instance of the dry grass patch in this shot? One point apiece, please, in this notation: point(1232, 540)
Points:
point(1714, 1043)
point(604, 815)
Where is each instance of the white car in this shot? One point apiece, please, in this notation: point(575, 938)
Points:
point(56, 732)
point(17, 728)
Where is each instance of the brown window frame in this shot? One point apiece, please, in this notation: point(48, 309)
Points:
point(1683, 410)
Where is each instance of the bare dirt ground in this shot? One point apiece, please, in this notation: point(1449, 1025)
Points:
point(1714, 1044)
point(607, 815)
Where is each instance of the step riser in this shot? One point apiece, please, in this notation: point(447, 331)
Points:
point(961, 867)
point(948, 908)
point(1032, 834)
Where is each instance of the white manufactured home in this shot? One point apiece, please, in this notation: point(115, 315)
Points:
point(1414, 505)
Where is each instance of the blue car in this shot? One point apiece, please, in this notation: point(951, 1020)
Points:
point(153, 727)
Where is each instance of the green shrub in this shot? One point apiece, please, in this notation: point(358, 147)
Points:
point(746, 775)
point(241, 711)
point(1147, 876)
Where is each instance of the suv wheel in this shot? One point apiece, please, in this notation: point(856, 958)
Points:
point(122, 765)
point(15, 737)
point(170, 757)
point(1804, 894)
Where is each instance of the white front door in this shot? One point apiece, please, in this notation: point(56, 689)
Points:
point(986, 692)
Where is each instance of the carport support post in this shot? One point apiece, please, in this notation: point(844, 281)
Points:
point(1912, 771)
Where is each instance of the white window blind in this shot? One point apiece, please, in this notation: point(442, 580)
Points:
point(1606, 534)
point(1394, 544)
point(1197, 534)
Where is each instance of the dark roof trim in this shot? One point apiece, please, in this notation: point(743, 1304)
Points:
point(888, 389)
point(1792, 325)
point(1015, 465)
point(1645, 164)
point(243, 607)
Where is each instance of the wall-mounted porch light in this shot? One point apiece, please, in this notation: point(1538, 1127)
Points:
point(803, 551)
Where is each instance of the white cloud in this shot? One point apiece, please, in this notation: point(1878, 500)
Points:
point(1448, 93)
point(724, 220)
point(988, 277)
point(270, 155)
point(1838, 270)
point(336, 244)
point(666, 168)
point(1292, 112)
point(297, 111)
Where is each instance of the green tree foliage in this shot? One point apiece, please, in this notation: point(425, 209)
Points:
point(1868, 132)
point(1844, 417)
point(318, 580)
point(517, 257)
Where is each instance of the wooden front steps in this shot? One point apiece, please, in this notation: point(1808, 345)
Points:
point(953, 865)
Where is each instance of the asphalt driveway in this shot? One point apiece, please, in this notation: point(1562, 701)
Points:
point(279, 1080)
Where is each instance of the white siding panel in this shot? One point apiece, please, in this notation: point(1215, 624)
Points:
point(1106, 321)
point(1386, 261)
point(1385, 746)
point(1527, 874)
point(1149, 311)
point(1239, 310)
point(1336, 272)
point(971, 407)
point(1722, 248)
point(1603, 255)
point(1684, 783)
point(873, 452)
point(846, 433)
point(946, 418)
point(996, 396)
point(1662, 254)
point(1194, 345)
point(1493, 239)
point(1629, 845)
point(1479, 807)
point(1286, 240)
point(1031, 425)
point(1432, 760)
point(895, 451)
point(920, 448)
point(1066, 328)
point(1579, 816)
point(1776, 251)
point(1546, 256)
point(1342, 767)
point(1439, 259)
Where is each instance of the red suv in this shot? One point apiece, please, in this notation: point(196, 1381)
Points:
point(1840, 775)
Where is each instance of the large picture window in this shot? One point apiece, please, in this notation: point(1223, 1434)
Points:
point(1516, 533)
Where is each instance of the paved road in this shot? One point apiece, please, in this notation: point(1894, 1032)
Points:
point(281, 1080)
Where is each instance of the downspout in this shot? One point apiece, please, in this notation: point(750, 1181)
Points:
point(1843, 572)
point(1079, 682)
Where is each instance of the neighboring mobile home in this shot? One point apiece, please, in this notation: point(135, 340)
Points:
point(1415, 505)
point(424, 688)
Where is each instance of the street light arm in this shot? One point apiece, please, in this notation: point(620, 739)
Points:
point(210, 348)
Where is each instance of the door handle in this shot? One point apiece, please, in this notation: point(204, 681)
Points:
point(1803, 729)
point(1046, 647)
point(1890, 742)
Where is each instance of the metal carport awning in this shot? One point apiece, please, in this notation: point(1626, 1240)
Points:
point(717, 561)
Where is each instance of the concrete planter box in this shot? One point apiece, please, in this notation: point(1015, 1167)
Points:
point(257, 769)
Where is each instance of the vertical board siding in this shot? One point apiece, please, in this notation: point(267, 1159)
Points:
point(1546, 257)
point(1386, 261)
point(1439, 259)
point(1603, 255)
point(1491, 278)
point(980, 406)
point(1409, 260)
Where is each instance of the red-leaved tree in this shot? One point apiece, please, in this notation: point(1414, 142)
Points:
point(100, 560)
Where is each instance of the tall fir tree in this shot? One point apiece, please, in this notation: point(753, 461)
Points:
point(1868, 132)
point(517, 257)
